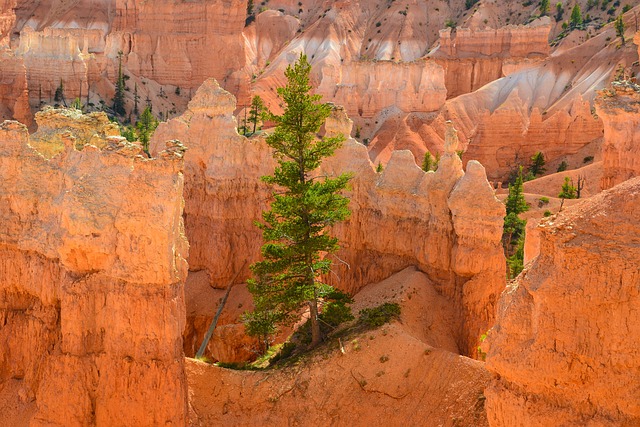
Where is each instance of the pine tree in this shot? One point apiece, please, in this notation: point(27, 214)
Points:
point(514, 226)
point(544, 7)
point(146, 125)
point(619, 25)
point(576, 16)
point(427, 162)
point(255, 111)
point(136, 99)
point(515, 202)
point(537, 164)
point(295, 229)
point(568, 189)
point(118, 97)
point(59, 95)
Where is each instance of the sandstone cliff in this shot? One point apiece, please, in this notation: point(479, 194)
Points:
point(91, 281)
point(619, 109)
point(473, 57)
point(447, 223)
point(564, 348)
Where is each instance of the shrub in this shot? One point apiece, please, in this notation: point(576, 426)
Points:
point(587, 159)
point(547, 213)
point(378, 316)
point(562, 166)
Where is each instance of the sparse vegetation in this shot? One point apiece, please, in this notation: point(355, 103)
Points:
point(619, 25)
point(514, 226)
point(562, 166)
point(378, 316)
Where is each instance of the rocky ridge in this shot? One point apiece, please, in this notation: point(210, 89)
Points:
point(92, 274)
point(564, 350)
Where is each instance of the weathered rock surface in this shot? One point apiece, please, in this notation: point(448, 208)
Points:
point(424, 215)
point(473, 57)
point(14, 93)
point(91, 281)
point(620, 111)
point(564, 348)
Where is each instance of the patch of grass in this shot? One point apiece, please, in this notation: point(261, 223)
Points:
point(378, 316)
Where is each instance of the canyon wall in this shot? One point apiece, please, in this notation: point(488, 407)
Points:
point(564, 350)
point(619, 108)
point(180, 43)
point(447, 223)
point(91, 280)
point(473, 57)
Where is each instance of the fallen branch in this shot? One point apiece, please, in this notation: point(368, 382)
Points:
point(214, 322)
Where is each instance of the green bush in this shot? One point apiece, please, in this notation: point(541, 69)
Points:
point(562, 166)
point(547, 213)
point(336, 310)
point(378, 316)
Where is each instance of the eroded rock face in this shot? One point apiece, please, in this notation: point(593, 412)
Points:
point(473, 57)
point(619, 108)
point(180, 43)
point(91, 280)
point(224, 197)
point(564, 347)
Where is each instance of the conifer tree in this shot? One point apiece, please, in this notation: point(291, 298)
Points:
point(146, 125)
point(295, 228)
point(544, 7)
point(59, 95)
point(568, 189)
point(427, 162)
point(619, 25)
point(255, 111)
point(136, 99)
point(537, 164)
point(576, 16)
point(118, 97)
point(514, 226)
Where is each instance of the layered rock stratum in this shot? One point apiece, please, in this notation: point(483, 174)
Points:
point(92, 272)
point(564, 350)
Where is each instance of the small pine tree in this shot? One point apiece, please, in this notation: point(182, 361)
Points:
point(146, 125)
point(77, 104)
point(514, 226)
point(568, 189)
point(537, 164)
point(136, 99)
point(619, 25)
point(559, 11)
point(295, 228)
point(576, 16)
point(427, 162)
point(562, 166)
point(118, 97)
point(544, 7)
point(255, 111)
point(59, 95)
point(379, 168)
point(515, 201)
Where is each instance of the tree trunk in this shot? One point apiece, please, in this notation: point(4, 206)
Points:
point(214, 322)
point(316, 338)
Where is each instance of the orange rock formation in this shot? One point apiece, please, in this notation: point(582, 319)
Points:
point(92, 272)
point(437, 221)
point(564, 347)
point(619, 109)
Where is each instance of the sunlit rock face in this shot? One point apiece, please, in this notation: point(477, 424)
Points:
point(91, 277)
point(564, 348)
